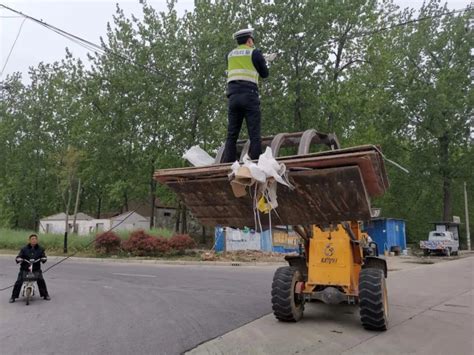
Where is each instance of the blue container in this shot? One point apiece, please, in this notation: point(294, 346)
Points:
point(219, 235)
point(266, 242)
point(387, 233)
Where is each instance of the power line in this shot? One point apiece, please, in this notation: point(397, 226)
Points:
point(83, 42)
point(51, 27)
point(97, 48)
point(11, 49)
point(409, 22)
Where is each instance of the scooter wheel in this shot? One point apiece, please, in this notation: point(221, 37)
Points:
point(28, 295)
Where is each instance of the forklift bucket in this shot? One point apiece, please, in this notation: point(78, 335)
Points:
point(330, 186)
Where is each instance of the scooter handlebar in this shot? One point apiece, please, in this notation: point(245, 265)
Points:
point(19, 260)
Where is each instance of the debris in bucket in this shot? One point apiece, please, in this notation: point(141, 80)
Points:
point(263, 177)
point(198, 156)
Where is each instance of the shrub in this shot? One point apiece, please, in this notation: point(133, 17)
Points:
point(107, 242)
point(162, 245)
point(181, 242)
point(143, 244)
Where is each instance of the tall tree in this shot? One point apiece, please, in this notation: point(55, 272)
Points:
point(437, 97)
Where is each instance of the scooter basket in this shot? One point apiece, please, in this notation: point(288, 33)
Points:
point(30, 276)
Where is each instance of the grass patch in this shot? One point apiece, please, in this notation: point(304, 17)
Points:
point(14, 240)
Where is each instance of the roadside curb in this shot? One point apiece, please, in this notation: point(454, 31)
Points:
point(55, 258)
point(160, 261)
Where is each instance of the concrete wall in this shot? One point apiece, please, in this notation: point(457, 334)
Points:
point(83, 227)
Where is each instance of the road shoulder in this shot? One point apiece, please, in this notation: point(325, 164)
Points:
point(431, 312)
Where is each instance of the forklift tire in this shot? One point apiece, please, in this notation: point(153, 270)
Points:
point(286, 304)
point(373, 299)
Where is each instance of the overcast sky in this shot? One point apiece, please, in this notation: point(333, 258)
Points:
point(84, 18)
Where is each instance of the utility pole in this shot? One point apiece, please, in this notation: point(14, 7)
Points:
point(468, 234)
point(76, 206)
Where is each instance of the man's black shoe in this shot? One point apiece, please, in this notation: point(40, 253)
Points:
point(47, 298)
point(11, 300)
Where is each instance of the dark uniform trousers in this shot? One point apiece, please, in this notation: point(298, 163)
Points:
point(43, 291)
point(243, 105)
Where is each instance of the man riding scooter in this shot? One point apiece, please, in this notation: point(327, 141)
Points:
point(31, 251)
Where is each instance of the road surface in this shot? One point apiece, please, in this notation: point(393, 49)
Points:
point(123, 308)
point(431, 312)
point(115, 308)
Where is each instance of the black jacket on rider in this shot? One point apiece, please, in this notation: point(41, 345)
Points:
point(30, 252)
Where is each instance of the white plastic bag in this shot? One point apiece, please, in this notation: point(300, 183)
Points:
point(255, 171)
point(268, 164)
point(270, 57)
point(198, 157)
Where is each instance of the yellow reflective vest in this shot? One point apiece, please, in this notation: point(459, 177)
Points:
point(240, 65)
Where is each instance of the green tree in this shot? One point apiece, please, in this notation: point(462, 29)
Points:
point(437, 99)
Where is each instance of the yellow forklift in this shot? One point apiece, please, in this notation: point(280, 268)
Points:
point(339, 265)
point(331, 194)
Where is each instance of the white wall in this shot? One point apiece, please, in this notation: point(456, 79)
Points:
point(130, 226)
point(84, 227)
point(54, 227)
point(236, 239)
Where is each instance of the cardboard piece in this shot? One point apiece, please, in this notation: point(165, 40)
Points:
point(242, 179)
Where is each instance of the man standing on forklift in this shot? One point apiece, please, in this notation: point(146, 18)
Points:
point(245, 64)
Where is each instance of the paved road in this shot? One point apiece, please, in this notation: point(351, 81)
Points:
point(115, 308)
point(431, 312)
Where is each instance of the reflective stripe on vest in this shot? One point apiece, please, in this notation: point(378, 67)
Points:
point(240, 65)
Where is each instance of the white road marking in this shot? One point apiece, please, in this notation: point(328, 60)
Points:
point(138, 275)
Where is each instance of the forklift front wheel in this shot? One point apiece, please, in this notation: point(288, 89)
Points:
point(287, 305)
point(373, 299)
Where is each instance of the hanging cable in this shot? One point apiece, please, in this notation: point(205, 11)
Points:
point(87, 245)
point(13, 46)
point(391, 161)
point(406, 23)
point(85, 43)
point(95, 47)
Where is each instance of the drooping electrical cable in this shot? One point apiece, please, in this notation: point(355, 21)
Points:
point(13, 46)
point(85, 43)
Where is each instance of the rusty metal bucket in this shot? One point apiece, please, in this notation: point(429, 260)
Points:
point(330, 186)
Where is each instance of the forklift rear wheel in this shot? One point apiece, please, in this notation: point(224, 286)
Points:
point(373, 299)
point(287, 305)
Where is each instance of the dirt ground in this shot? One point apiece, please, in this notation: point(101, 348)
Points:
point(395, 263)
point(244, 256)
